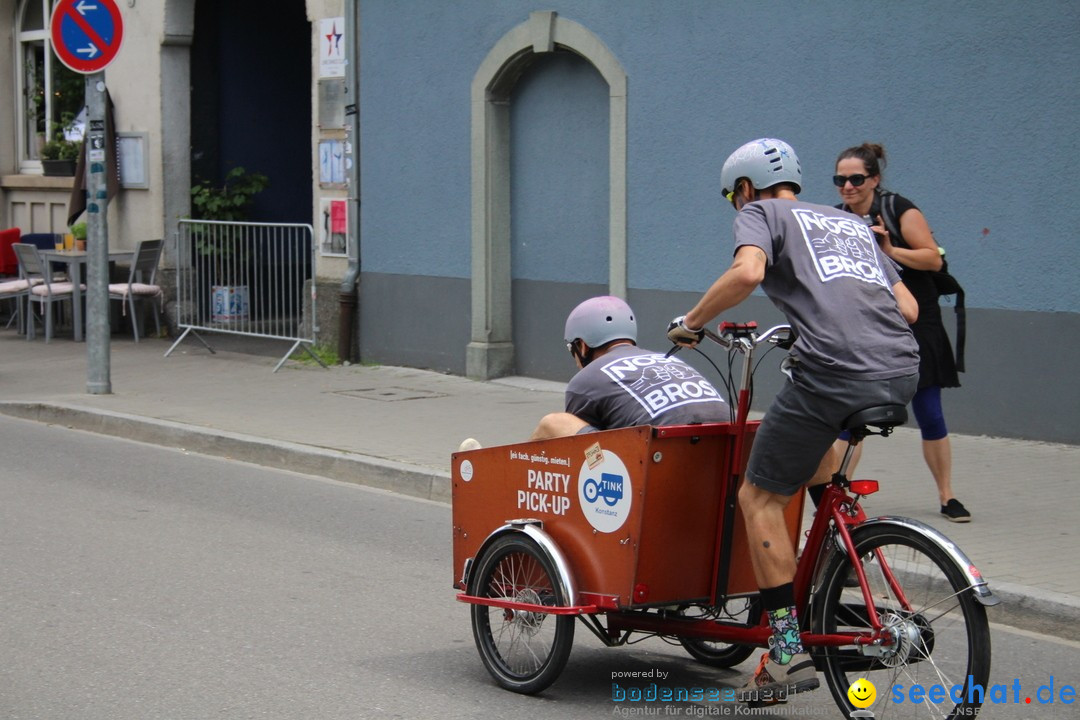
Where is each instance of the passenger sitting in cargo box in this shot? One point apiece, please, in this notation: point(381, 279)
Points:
point(621, 385)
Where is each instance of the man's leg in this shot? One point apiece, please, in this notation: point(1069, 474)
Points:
point(792, 446)
point(791, 668)
point(771, 553)
point(556, 425)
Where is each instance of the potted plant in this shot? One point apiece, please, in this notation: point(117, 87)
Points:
point(59, 157)
point(78, 231)
point(229, 201)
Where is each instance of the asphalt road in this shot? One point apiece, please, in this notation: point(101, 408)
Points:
point(143, 582)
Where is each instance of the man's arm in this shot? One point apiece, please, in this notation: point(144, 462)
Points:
point(735, 285)
point(909, 306)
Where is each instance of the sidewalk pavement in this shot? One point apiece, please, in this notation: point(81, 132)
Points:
point(395, 428)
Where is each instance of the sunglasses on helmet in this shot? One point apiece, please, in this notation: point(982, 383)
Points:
point(856, 180)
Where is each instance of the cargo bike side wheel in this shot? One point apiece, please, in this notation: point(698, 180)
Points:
point(745, 611)
point(524, 650)
point(939, 632)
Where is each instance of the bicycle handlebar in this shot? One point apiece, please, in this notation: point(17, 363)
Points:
point(742, 336)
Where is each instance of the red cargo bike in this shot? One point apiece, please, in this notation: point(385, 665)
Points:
point(636, 532)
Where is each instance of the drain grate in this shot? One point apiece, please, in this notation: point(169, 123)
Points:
point(390, 394)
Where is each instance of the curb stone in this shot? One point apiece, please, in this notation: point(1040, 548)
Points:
point(375, 472)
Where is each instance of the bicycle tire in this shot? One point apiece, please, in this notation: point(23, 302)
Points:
point(944, 639)
point(524, 651)
point(720, 654)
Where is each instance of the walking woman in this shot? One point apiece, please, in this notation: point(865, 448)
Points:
point(858, 179)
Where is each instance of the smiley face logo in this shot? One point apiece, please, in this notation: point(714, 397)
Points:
point(862, 692)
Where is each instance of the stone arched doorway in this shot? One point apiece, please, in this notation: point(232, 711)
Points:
point(490, 352)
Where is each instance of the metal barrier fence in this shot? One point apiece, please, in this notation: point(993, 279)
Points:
point(245, 278)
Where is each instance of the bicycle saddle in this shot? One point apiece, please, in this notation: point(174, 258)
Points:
point(885, 417)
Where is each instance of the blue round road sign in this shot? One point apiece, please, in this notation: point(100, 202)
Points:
point(86, 34)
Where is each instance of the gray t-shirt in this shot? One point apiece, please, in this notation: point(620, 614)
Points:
point(826, 273)
point(630, 386)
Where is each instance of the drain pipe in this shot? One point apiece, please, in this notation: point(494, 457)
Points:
point(348, 295)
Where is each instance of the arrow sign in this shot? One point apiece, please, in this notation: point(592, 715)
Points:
point(86, 34)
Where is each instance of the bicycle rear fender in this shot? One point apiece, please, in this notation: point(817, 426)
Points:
point(533, 529)
point(979, 587)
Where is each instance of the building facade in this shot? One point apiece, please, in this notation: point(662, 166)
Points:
point(513, 158)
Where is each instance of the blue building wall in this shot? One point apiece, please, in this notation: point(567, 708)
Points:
point(975, 102)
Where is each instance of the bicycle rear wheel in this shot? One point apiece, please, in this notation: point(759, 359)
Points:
point(940, 635)
point(524, 651)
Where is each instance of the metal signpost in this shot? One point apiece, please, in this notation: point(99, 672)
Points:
point(86, 35)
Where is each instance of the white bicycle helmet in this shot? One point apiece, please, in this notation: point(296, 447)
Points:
point(765, 162)
point(600, 320)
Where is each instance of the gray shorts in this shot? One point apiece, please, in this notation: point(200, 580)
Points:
point(805, 419)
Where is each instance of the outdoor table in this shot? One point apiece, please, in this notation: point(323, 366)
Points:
point(75, 259)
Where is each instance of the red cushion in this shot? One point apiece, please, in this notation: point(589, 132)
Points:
point(9, 264)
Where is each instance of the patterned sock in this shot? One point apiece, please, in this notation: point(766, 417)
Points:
point(786, 640)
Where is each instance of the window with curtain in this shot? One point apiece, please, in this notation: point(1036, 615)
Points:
point(51, 97)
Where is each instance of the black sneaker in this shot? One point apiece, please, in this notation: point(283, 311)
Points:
point(954, 511)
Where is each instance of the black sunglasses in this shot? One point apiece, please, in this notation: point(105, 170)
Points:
point(856, 180)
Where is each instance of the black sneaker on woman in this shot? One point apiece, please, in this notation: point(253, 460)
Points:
point(954, 511)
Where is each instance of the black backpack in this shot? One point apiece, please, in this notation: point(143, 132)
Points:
point(945, 283)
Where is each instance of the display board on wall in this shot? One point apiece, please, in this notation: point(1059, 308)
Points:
point(133, 166)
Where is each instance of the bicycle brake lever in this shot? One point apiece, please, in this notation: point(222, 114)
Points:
point(674, 349)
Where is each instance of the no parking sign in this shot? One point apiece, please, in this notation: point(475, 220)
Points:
point(86, 34)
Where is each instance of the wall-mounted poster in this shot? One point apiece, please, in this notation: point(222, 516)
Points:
point(332, 162)
point(332, 47)
point(334, 227)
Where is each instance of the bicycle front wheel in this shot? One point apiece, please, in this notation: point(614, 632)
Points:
point(940, 635)
point(524, 651)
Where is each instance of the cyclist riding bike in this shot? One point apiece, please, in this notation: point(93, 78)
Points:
point(822, 268)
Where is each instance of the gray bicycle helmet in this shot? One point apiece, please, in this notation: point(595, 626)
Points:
point(600, 320)
point(766, 162)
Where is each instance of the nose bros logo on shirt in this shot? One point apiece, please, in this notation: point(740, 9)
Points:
point(660, 383)
point(840, 246)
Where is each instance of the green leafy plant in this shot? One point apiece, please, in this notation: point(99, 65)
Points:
point(78, 230)
point(232, 199)
point(229, 201)
point(61, 149)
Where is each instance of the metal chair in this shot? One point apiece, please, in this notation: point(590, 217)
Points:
point(140, 284)
point(42, 288)
point(46, 241)
point(17, 290)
